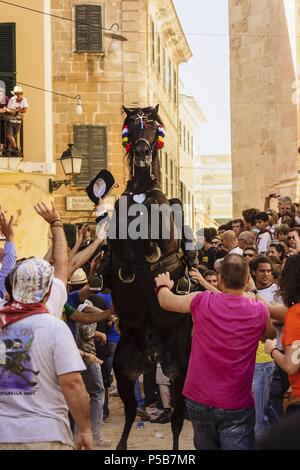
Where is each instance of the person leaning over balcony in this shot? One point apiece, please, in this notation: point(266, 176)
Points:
point(40, 366)
point(17, 107)
point(227, 329)
point(3, 111)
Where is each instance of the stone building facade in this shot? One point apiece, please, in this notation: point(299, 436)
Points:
point(190, 117)
point(213, 188)
point(264, 50)
point(25, 58)
point(141, 71)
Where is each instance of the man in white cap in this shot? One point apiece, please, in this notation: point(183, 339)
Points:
point(40, 365)
point(17, 107)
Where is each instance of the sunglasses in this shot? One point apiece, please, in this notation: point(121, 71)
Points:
point(291, 238)
point(248, 255)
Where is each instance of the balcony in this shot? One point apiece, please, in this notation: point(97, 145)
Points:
point(12, 160)
point(10, 125)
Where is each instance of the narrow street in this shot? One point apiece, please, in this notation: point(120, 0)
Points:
point(151, 437)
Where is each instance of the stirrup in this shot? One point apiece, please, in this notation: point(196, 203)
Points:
point(183, 286)
point(126, 280)
point(155, 256)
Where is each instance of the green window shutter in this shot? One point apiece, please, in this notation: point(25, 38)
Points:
point(95, 34)
point(91, 141)
point(88, 39)
point(8, 55)
point(70, 232)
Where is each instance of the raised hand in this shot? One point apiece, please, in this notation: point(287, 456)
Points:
point(197, 276)
point(102, 231)
point(6, 227)
point(49, 215)
point(164, 280)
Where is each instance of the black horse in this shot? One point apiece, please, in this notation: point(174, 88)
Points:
point(149, 334)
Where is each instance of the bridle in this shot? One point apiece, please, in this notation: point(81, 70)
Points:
point(144, 121)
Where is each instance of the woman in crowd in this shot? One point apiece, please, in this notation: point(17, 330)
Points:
point(277, 250)
point(290, 361)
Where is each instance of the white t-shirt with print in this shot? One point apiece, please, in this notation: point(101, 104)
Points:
point(34, 352)
point(271, 295)
point(16, 105)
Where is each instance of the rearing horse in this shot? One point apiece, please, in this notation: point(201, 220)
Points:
point(149, 334)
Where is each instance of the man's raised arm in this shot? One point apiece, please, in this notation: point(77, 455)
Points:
point(169, 301)
point(59, 242)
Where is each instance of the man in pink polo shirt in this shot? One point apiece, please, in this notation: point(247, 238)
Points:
point(227, 328)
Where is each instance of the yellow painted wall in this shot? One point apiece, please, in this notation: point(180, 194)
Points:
point(18, 194)
point(19, 191)
point(30, 69)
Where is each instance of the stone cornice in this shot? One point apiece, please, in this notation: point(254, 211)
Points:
point(18, 165)
point(170, 25)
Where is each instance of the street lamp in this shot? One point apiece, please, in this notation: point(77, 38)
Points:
point(115, 34)
point(71, 161)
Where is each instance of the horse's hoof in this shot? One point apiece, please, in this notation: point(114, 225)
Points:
point(155, 256)
point(126, 280)
point(121, 446)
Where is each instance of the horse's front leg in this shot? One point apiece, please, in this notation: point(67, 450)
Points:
point(123, 251)
point(126, 392)
point(179, 407)
point(125, 385)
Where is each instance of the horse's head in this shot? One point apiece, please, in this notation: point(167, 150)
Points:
point(142, 136)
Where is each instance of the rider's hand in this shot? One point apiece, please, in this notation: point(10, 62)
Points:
point(164, 280)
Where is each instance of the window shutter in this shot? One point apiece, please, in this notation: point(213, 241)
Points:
point(95, 34)
point(88, 39)
point(8, 55)
point(81, 142)
point(70, 232)
point(91, 141)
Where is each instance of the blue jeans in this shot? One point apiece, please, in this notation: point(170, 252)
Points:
point(93, 382)
point(217, 428)
point(261, 387)
point(138, 395)
point(279, 387)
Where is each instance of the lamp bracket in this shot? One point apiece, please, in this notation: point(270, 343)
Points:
point(55, 184)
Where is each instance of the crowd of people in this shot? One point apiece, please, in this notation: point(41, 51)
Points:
point(243, 376)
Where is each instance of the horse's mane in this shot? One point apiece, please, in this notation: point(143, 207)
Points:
point(147, 110)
